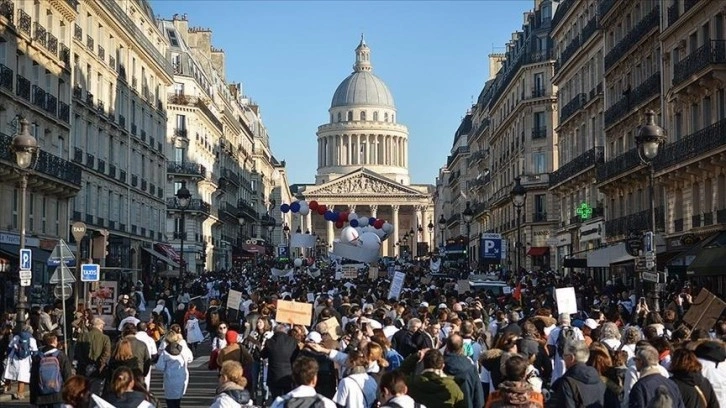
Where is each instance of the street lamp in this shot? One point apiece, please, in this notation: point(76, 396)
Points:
point(649, 139)
point(431, 234)
point(25, 148)
point(286, 233)
point(183, 199)
point(442, 227)
point(519, 196)
point(468, 215)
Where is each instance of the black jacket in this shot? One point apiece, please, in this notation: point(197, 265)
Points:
point(588, 387)
point(280, 351)
point(130, 399)
point(686, 383)
point(403, 342)
point(65, 371)
point(466, 375)
point(327, 373)
point(645, 390)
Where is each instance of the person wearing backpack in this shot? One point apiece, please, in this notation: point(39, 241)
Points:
point(305, 376)
point(22, 347)
point(49, 371)
point(562, 334)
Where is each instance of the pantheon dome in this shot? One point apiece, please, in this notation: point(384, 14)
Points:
point(362, 131)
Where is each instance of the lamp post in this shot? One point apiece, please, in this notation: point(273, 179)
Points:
point(286, 233)
point(649, 139)
point(468, 215)
point(519, 196)
point(25, 147)
point(183, 198)
point(431, 235)
point(442, 227)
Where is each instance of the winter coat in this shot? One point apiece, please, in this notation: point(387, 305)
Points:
point(403, 342)
point(18, 369)
point(466, 375)
point(65, 370)
point(515, 393)
point(93, 348)
point(645, 389)
point(173, 362)
point(130, 399)
point(280, 351)
point(492, 361)
point(686, 383)
point(231, 395)
point(434, 390)
point(588, 386)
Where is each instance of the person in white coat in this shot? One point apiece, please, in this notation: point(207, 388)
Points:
point(150, 345)
point(231, 392)
point(194, 332)
point(18, 365)
point(173, 362)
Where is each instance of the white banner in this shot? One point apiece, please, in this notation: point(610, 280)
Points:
point(566, 300)
point(302, 241)
point(396, 285)
point(234, 298)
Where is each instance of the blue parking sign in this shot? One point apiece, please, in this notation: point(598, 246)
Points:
point(26, 259)
point(282, 252)
point(491, 246)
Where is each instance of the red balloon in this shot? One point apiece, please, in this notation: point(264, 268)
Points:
point(343, 216)
point(339, 224)
point(378, 224)
point(313, 205)
point(322, 209)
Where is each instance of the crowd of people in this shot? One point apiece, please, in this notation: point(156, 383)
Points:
point(434, 344)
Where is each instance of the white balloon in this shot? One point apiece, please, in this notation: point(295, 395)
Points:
point(380, 233)
point(363, 221)
point(360, 230)
point(387, 227)
point(304, 210)
point(349, 236)
point(370, 241)
point(298, 262)
point(352, 216)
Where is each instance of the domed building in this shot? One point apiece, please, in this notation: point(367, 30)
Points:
point(363, 164)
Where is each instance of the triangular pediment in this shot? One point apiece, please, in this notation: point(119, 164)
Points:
point(362, 182)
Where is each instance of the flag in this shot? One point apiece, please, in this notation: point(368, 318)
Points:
point(517, 294)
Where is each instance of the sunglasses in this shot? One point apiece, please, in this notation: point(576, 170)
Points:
point(221, 327)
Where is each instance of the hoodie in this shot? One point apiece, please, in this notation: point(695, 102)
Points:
point(515, 394)
point(231, 395)
point(589, 388)
point(436, 390)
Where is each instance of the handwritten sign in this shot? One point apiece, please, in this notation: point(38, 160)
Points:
point(426, 280)
point(396, 285)
point(234, 298)
point(294, 312)
point(705, 311)
point(373, 273)
point(334, 329)
point(566, 300)
point(350, 272)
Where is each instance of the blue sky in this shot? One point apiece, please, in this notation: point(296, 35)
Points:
point(291, 55)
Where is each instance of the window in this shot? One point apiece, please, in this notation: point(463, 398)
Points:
point(540, 163)
point(678, 126)
point(350, 116)
point(540, 206)
point(340, 117)
point(538, 84)
point(181, 122)
point(706, 111)
point(385, 117)
point(172, 38)
point(695, 126)
point(43, 209)
point(363, 115)
point(375, 116)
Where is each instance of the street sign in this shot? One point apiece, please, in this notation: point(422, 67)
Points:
point(282, 251)
point(26, 259)
point(26, 275)
point(63, 271)
point(648, 244)
point(63, 292)
point(649, 276)
point(25, 282)
point(79, 231)
point(90, 273)
point(61, 254)
point(491, 246)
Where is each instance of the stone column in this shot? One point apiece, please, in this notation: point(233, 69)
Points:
point(309, 222)
point(331, 235)
point(374, 211)
point(395, 209)
point(419, 222)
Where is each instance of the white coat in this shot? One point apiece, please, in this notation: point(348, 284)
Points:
point(19, 369)
point(176, 372)
point(194, 332)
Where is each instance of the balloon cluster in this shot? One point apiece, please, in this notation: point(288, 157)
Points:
point(364, 231)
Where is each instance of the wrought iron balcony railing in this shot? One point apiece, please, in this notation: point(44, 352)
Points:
point(24, 21)
point(6, 78)
point(134, 180)
point(561, 11)
point(40, 35)
point(186, 168)
point(195, 204)
point(674, 12)
point(77, 155)
point(642, 93)
point(64, 112)
point(7, 10)
point(643, 27)
point(619, 165)
point(604, 7)
point(22, 87)
point(65, 55)
point(90, 44)
point(51, 104)
point(692, 146)
point(575, 104)
point(77, 32)
point(711, 53)
point(38, 97)
point(539, 217)
point(47, 164)
point(52, 42)
point(639, 221)
point(580, 163)
point(101, 53)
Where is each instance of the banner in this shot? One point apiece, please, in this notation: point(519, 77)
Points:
point(103, 301)
point(373, 273)
point(356, 253)
point(282, 273)
point(350, 272)
point(566, 300)
point(294, 313)
point(302, 241)
point(234, 298)
point(396, 285)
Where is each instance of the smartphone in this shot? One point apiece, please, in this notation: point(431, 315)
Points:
point(642, 300)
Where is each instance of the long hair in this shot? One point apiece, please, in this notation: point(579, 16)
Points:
point(122, 380)
point(123, 351)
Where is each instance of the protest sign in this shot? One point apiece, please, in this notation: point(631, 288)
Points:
point(566, 300)
point(294, 312)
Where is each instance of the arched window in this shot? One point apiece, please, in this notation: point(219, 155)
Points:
point(385, 117)
point(340, 117)
point(350, 116)
point(393, 118)
point(375, 116)
point(331, 118)
point(362, 115)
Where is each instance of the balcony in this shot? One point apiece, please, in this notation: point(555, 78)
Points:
point(539, 133)
point(231, 176)
point(51, 104)
point(613, 168)
point(186, 169)
point(89, 99)
point(707, 219)
point(65, 55)
point(180, 133)
point(40, 34)
point(195, 204)
point(196, 102)
point(112, 62)
point(644, 26)
point(152, 189)
point(7, 10)
point(6, 78)
point(639, 221)
point(121, 72)
point(22, 87)
point(89, 219)
point(678, 225)
point(574, 105)
point(143, 135)
point(579, 164)
point(632, 99)
point(90, 160)
point(77, 32)
point(24, 21)
point(711, 53)
point(90, 44)
point(52, 44)
point(562, 9)
point(696, 221)
point(692, 146)
point(539, 217)
point(134, 82)
point(122, 121)
point(39, 97)
point(47, 164)
point(674, 13)
point(539, 92)
point(604, 7)
point(101, 166)
point(101, 108)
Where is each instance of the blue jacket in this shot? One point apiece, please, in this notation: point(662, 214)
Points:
point(645, 390)
point(467, 377)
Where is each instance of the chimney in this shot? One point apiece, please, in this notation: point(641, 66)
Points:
point(495, 64)
point(182, 27)
point(218, 61)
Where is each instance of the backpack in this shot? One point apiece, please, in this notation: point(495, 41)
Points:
point(391, 404)
point(50, 380)
point(22, 348)
point(567, 335)
point(304, 402)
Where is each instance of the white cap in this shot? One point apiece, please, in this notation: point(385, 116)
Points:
point(314, 337)
point(424, 304)
point(591, 324)
point(443, 306)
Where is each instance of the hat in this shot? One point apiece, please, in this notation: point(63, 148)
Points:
point(424, 304)
point(712, 351)
point(443, 306)
point(314, 337)
point(528, 347)
point(231, 337)
point(591, 323)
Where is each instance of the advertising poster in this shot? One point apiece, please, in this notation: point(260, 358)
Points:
point(103, 301)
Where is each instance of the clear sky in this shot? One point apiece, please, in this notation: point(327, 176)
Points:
point(291, 55)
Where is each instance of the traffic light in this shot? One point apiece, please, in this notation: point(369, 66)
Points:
point(100, 245)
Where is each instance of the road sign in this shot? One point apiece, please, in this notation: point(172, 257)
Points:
point(26, 259)
point(649, 276)
point(61, 254)
point(491, 246)
point(63, 292)
point(282, 251)
point(90, 273)
point(25, 282)
point(63, 271)
point(79, 231)
point(26, 275)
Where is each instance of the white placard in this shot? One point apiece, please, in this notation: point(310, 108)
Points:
point(302, 241)
point(234, 298)
point(566, 300)
point(311, 297)
point(396, 285)
point(350, 272)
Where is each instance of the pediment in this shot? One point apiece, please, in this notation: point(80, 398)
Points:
point(362, 183)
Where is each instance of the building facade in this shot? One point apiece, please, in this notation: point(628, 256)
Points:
point(363, 163)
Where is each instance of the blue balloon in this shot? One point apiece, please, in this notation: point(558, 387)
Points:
point(295, 207)
point(330, 216)
point(353, 223)
point(285, 208)
point(371, 221)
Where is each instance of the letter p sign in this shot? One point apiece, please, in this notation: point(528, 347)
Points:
point(26, 259)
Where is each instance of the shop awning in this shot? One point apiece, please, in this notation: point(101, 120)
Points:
point(168, 251)
point(13, 251)
point(252, 248)
point(538, 251)
point(710, 259)
point(603, 257)
point(161, 257)
point(575, 263)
